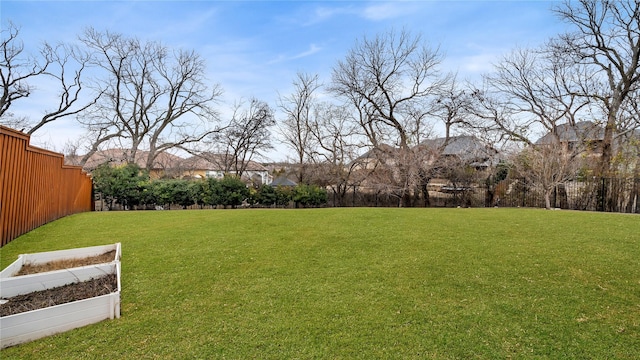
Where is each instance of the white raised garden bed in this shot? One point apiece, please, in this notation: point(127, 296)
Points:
point(27, 326)
point(49, 256)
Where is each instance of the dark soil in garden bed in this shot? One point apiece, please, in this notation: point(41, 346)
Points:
point(27, 269)
point(61, 295)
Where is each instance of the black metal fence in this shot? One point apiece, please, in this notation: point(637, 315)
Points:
point(593, 194)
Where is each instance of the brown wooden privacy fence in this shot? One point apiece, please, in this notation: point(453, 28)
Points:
point(36, 187)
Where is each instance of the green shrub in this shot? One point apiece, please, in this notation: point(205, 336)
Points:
point(180, 192)
point(232, 191)
point(284, 195)
point(266, 196)
point(123, 185)
point(309, 195)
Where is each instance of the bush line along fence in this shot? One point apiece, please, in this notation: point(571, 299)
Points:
point(36, 187)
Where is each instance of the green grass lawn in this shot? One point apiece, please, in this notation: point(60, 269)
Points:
point(357, 284)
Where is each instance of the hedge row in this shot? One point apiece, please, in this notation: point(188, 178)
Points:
point(131, 188)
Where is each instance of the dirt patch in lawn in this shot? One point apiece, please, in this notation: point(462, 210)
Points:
point(66, 264)
point(60, 295)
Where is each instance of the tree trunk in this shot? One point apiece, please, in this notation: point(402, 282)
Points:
point(607, 148)
point(547, 198)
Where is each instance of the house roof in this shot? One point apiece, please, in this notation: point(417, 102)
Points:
point(216, 162)
point(117, 156)
point(581, 131)
point(163, 161)
point(463, 145)
point(282, 181)
point(380, 149)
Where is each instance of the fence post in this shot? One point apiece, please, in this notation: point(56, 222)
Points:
point(600, 196)
point(637, 201)
point(636, 196)
point(353, 203)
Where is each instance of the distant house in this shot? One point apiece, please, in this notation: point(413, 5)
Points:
point(210, 165)
point(464, 148)
point(173, 166)
point(587, 137)
point(283, 181)
point(383, 153)
point(433, 154)
point(582, 136)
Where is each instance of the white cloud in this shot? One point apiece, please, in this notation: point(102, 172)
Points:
point(478, 63)
point(471, 60)
point(323, 14)
point(313, 48)
point(389, 10)
point(193, 24)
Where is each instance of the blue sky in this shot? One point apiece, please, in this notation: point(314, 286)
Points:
point(255, 48)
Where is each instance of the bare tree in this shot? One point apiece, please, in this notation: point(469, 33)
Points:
point(549, 165)
point(247, 135)
point(334, 132)
point(70, 63)
point(452, 106)
point(391, 79)
point(606, 42)
point(16, 69)
point(392, 76)
point(530, 92)
point(534, 92)
point(627, 155)
point(154, 97)
point(64, 64)
point(298, 108)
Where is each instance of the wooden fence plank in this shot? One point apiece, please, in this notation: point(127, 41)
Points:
point(36, 187)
